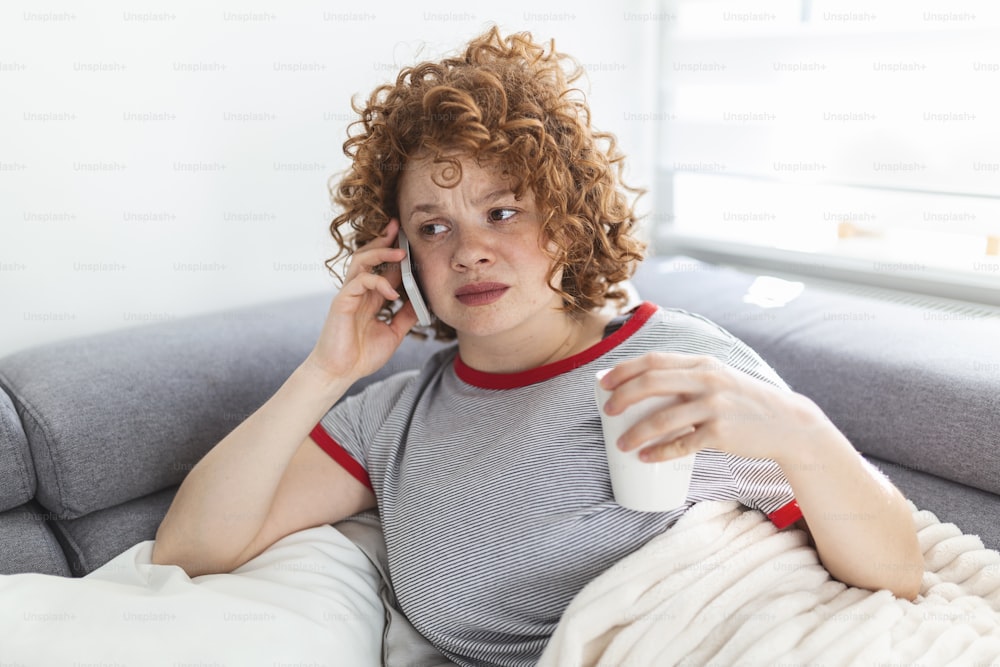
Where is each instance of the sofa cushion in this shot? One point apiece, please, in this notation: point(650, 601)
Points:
point(17, 478)
point(972, 510)
point(117, 416)
point(27, 544)
point(907, 384)
point(91, 541)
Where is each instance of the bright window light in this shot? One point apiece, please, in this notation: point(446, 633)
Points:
point(861, 131)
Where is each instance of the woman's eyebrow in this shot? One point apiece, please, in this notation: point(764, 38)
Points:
point(425, 208)
point(488, 197)
point(493, 196)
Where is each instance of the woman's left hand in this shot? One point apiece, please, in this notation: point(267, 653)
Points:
point(719, 408)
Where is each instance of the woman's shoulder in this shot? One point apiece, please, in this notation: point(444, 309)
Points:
point(676, 321)
point(678, 330)
point(395, 378)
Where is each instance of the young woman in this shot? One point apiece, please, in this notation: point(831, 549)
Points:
point(487, 465)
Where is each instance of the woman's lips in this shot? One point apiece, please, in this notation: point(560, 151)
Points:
point(480, 294)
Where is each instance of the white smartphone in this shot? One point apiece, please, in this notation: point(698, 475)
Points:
point(410, 284)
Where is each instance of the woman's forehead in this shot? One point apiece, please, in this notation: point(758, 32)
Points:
point(424, 174)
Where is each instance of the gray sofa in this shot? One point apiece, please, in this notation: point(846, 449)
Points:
point(96, 433)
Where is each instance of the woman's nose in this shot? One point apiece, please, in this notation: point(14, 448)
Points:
point(472, 250)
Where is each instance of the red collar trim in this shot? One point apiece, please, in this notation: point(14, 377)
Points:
point(485, 380)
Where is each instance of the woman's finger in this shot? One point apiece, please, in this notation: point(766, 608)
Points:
point(651, 360)
point(364, 285)
point(652, 383)
point(388, 235)
point(403, 320)
point(656, 361)
point(372, 254)
point(665, 425)
point(371, 260)
point(689, 443)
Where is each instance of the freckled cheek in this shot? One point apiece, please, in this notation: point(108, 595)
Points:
point(431, 277)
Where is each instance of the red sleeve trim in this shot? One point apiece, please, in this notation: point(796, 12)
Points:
point(340, 455)
point(785, 516)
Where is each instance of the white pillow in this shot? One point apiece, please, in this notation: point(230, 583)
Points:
point(310, 599)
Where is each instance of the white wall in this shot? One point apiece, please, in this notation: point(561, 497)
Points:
point(165, 159)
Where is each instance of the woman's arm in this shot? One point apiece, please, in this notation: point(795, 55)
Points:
point(238, 499)
point(224, 502)
point(860, 522)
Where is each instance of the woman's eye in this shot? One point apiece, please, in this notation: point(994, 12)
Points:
point(501, 214)
point(432, 229)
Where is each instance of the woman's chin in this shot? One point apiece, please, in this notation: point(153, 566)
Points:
point(477, 325)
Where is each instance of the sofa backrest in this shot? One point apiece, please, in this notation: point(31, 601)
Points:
point(120, 415)
point(17, 475)
point(26, 543)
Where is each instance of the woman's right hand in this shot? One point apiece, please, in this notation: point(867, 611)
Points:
point(354, 342)
point(266, 478)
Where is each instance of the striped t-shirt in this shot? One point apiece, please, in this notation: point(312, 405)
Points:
point(494, 489)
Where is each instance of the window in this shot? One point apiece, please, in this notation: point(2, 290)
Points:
point(851, 140)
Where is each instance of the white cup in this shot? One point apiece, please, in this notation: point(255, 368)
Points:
point(638, 485)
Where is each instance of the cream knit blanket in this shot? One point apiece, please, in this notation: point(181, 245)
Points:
point(724, 587)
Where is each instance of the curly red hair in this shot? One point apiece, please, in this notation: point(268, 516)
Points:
point(506, 102)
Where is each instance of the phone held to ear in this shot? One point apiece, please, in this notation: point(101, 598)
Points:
point(410, 284)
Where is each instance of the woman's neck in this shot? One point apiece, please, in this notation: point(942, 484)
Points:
point(516, 351)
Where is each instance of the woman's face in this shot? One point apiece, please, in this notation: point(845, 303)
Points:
point(477, 252)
